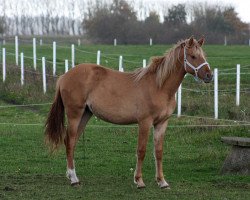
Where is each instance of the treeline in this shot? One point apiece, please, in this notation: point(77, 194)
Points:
point(41, 25)
point(119, 20)
point(46, 17)
point(101, 21)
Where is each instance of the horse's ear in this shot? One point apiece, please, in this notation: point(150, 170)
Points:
point(183, 44)
point(201, 41)
point(190, 41)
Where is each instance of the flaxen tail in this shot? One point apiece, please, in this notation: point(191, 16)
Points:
point(54, 127)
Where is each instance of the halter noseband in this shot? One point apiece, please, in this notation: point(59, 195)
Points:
point(196, 69)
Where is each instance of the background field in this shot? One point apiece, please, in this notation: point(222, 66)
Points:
point(105, 156)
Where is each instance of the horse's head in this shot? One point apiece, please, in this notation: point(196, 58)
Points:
point(194, 60)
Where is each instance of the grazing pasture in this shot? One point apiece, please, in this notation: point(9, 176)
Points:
point(105, 155)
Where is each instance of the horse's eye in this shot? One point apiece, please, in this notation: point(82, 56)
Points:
point(193, 57)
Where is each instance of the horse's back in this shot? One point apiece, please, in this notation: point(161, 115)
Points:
point(87, 79)
point(81, 75)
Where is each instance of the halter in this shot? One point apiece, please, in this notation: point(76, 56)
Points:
point(196, 69)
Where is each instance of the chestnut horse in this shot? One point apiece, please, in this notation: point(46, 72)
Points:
point(145, 97)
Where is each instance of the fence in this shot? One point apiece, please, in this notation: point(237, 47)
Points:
point(121, 68)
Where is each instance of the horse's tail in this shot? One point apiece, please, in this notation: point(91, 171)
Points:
point(54, 127)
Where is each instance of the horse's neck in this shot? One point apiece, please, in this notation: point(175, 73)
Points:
point(173, 82)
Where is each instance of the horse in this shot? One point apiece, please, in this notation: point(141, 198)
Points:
point(145, 97)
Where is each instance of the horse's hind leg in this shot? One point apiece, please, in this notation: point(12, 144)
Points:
point(74, 116)
point(77, 120)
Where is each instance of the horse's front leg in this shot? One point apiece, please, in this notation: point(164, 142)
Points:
point(144, 129)
point(159, 132)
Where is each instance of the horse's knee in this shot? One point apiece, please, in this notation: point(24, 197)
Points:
point(141, 153)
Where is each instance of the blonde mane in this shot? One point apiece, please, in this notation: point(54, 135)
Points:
point(162, 66)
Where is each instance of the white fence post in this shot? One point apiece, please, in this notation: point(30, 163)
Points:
point(238, 85)
point(16, 49)
point(79, 42)
point(144, 63)
point(73, 55)
point(216, 93)
point(41, 42)
point(66, 66)
point(150, 42)
point(179, 101)
point(54, 58)
point(34, 53)
point(120, 64)
point(115, 42)
point(225, 40)
point(98, 58)
point(22, 69)
point(4, 64)
point(44, 75)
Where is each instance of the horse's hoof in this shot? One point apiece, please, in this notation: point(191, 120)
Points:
point(167, 187)
point(76, 184)
point(139, 184)
point(163, 184)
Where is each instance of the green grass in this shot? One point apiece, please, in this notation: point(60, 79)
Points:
point(105, 160)
point(105, 156)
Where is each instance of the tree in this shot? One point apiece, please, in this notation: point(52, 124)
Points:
point(233, 21)
point(107, 22)
point(217, 22)
point(176, 15)
point(175, 24)
point(152, 26)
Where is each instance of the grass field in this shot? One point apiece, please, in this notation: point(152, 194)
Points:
point(105, 156)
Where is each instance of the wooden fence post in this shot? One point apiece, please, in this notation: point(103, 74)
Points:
point(16, 49)
point(4, 63)
point(144, 63)
point(121, 64)
point(179, 101)
point(98, 58)
point(238, 85)
point(34, 53)
point(72, 55)
point(216, 93)
point(44, 75)
point(22, 69)
point(54, 58)
point(66, 66)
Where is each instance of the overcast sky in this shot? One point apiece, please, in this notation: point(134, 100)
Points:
point(62, 7)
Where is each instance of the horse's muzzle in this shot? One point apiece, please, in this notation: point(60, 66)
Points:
point(208, 78)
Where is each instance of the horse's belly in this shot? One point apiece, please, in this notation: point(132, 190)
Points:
point(116, 115)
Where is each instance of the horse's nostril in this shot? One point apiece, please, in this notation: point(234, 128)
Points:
point(208, 77)
point(212, 77)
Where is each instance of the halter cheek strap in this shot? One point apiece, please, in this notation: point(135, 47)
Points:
point(196, 69)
